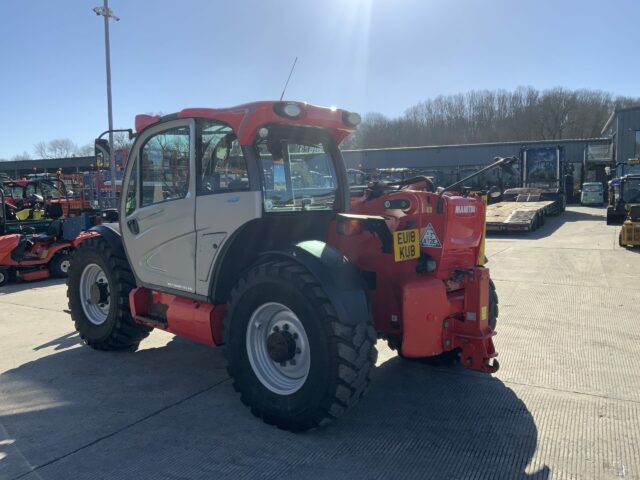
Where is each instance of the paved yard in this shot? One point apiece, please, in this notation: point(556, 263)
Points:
point(565, 403)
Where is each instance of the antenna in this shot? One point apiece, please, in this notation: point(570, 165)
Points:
point(288, 78)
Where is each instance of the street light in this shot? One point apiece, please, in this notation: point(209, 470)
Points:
point(106, 12)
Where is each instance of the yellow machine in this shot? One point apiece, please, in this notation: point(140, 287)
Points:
point(630, 232)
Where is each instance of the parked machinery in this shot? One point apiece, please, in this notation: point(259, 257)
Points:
point(236, 227)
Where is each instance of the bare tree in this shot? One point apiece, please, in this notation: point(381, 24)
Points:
point(121, 141)
point(492, 116)
point(62, 147)
point(22, 156)
point(41, 149)
point(58, 148)
point(85, 150)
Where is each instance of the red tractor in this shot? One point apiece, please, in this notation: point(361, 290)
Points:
point(237, 227)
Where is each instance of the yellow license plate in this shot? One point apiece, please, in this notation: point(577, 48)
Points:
point(406, 245)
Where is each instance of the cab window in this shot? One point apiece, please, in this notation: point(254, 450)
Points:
point(298, 173)
point(165, 166)
point(221, 164)
point(132, 190)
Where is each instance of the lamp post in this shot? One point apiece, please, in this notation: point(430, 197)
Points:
point(106, 12)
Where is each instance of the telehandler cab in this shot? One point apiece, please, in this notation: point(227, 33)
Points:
point(236, 227)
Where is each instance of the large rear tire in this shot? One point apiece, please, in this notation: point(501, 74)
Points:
point(295, 363)
point(98, 287)
point(494, 309)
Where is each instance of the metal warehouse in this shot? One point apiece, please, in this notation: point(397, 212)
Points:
point(587, 158)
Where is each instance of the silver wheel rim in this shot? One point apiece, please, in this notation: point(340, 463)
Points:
point(64, 266)
point(96, 313)
point(2, 277)
point(283, 378)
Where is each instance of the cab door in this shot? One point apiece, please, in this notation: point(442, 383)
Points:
point(157, 217)
point(227, 197)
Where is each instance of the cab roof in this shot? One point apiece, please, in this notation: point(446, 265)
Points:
point(246, 119)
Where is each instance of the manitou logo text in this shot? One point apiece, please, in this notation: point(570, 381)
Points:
point(465, 209)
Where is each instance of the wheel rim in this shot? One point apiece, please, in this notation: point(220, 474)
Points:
point(64, 266)
point(278, 348)
point(3, 276)
point(95, 294)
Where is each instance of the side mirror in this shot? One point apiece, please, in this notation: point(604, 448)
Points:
point(102, 151)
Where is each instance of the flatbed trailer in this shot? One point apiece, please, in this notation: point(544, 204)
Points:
point(518, 216)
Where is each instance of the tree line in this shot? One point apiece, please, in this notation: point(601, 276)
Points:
point(478, 116)
point(482, 116)
point(65, 148)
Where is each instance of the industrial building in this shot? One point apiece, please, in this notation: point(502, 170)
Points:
point(587, 158)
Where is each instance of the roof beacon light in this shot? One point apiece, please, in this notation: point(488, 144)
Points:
point(292, 111)
point(351, 118)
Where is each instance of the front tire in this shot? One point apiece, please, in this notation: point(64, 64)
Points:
point(98, 287)
point(295, 363)
point(60, 264)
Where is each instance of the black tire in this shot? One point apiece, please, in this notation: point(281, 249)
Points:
point(4, 276)
point(60, 264)
point(494, 309)
point(119, 331)
point(343, 352)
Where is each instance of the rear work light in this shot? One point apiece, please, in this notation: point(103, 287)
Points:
point(292, 111)
point(351, 118)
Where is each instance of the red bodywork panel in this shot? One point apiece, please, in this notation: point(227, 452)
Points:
point(40, 254)
point(35, 263)
point(198, 321)
point(431, 312)
point(248, 118)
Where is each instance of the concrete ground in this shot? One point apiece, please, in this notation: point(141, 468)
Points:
point(565, 403)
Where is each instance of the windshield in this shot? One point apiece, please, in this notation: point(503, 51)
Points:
point(592, 188)
point(298, 173)
point(631, 191)
point(541, 166)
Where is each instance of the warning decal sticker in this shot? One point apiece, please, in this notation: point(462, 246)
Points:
point(429, 238)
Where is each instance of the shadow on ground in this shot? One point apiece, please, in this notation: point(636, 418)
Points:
point(20, 286)
point(170, 412)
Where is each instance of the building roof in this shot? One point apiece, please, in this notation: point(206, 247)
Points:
point(613, 115)
point(488, 144)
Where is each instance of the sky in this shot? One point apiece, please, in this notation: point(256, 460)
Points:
point(363, 55)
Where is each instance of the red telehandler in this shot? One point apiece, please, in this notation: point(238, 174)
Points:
point(237, 227)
